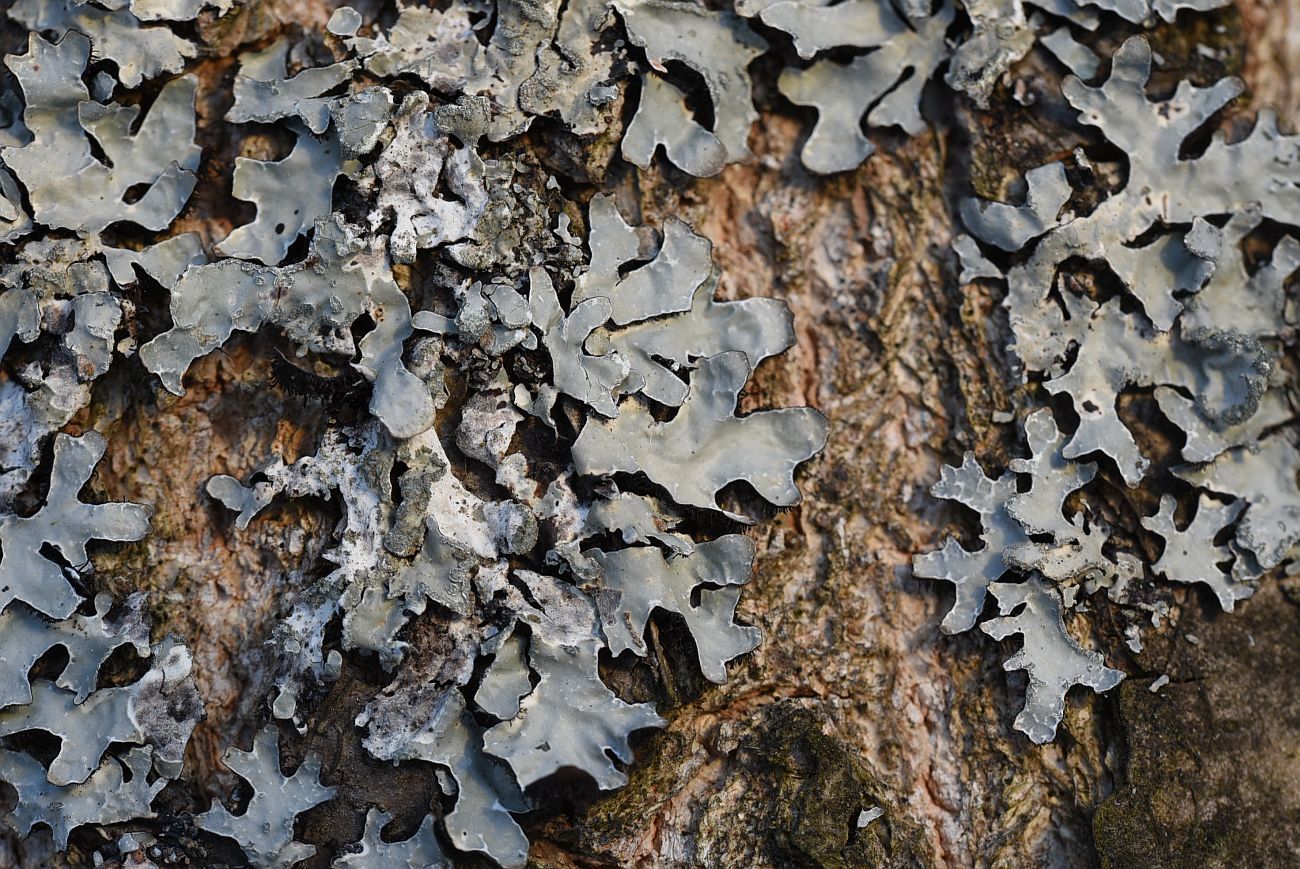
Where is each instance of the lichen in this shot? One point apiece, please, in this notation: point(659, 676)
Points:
point(1189, 321)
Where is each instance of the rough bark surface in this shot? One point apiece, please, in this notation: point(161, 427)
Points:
point(855, 699)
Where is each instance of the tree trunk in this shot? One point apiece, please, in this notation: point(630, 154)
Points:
point(855, 699)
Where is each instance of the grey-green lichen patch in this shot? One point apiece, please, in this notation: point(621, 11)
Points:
point(972, 572)
point(315, 302)
point(1052, 659)
point(719, 46)
point(1190, 553)
point(265, 92)
point(1204, 333)
point(646, 580)
point(69, 187)
point(420, 851)
point(570, 719)
point(66, 524)
point(705, 446)
point(503, 310)
point(160, 710)
point(1264, 476)
point(106, 797)
point(290, 195)
point(659, 350)
point(506, 680)
point(1010, 227)
point(445, 733)
point(87, 640)
point(140, 51)
point(265, 829)
point(663, 118)
point(592, 379)
point(885, 85)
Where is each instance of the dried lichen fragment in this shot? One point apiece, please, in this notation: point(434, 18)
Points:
point(95, 318)
point(175, 10)
point(66, 524)
point(1010, 227)
point(140, 52)
point(524, 32)
point(88, 641)
point(663, 118)
point(104, 798)
point(436, 46)
point(1051, 658)
point(410, 172)
point(570, 719)
point(265, 830)
point(887, 81)
point(1264, 475)
point(69, 187)
point(704, 446)
point(717, 45)
point(645, 580)
point(290, 195)
point(1001, 36)
point(421, 851)
point(971, 573)
point(1191, 554)
point(441, 573)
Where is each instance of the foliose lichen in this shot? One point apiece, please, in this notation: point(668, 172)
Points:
point(519, 324)
point(1185, 320)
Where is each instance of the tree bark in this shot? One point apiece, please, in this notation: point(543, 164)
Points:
point(854, 700)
